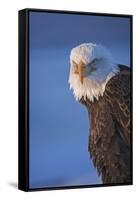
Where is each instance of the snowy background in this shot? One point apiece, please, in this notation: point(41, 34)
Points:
point(59, 125)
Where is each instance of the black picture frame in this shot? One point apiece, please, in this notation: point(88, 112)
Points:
point(23, 98)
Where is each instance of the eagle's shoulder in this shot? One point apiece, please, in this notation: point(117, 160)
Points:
point(120, 82)
point(117, 94)
point(123, 68)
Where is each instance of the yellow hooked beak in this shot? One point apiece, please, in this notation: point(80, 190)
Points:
point(80, 71)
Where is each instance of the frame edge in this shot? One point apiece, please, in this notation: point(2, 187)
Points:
point(23, 169)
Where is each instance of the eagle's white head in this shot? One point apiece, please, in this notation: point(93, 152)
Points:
point(91, 68)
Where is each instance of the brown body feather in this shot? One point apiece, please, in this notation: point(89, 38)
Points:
point(110, 140)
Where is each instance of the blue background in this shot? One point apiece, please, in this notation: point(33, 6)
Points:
point(59, 126)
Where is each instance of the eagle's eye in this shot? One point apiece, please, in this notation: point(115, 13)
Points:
point(94, 61)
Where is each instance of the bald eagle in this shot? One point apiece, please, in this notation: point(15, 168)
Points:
point(104, 88)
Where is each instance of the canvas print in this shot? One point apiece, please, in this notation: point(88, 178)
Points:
point(80, 74)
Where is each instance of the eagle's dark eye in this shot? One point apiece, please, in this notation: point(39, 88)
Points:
point(95, 61)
